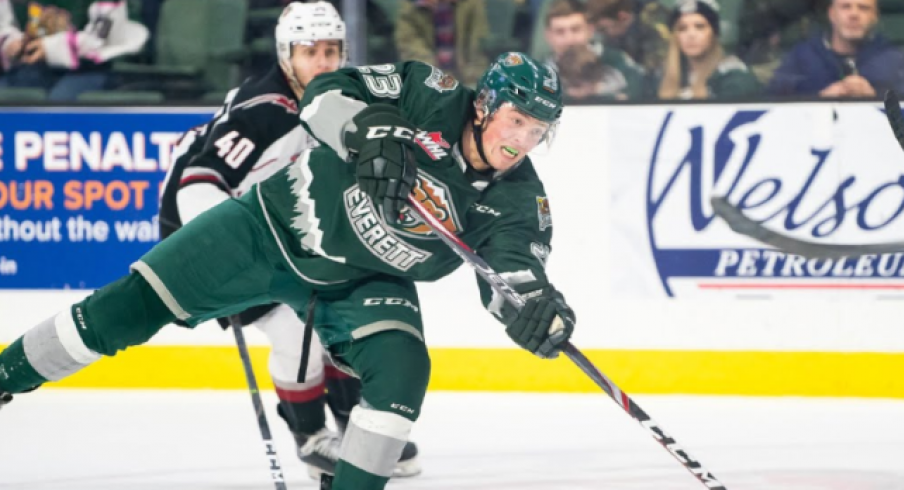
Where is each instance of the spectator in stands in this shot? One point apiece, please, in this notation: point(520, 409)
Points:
point(567, 26)
point(51, 54)
point(767, 29)
point(7, 27)
point(585, 77)
point(850, 60)
point(697, 67)
point(626, 27)
point(447, 34)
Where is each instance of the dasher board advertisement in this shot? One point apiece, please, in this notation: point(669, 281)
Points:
point(79, 191)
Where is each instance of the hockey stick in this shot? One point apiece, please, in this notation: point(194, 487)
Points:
point(740, 223)
point(275, 467)
point(506, 291)
point(744, 225)
point(893, 114)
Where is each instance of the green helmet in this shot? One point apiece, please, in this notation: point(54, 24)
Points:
point(530, 86)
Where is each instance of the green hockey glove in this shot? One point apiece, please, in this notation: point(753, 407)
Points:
point(544, 324)
point(382, 149)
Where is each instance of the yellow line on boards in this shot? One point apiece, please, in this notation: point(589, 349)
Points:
point(752, 373)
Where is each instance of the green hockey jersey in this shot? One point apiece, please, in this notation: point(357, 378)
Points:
point(331, 233)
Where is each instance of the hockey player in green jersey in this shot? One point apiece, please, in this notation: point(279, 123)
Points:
point(333, 228)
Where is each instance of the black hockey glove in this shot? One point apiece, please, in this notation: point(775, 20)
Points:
point(530, 328)
point(382, 149)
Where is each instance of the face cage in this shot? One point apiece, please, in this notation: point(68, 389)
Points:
point(545, 144)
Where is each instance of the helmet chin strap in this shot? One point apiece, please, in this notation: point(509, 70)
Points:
point(478, 139)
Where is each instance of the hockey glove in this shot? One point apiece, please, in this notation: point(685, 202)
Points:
point(536, 328)
point(382, 150)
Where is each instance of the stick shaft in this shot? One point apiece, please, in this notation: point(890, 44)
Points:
point(276, 472)
point(503, 288)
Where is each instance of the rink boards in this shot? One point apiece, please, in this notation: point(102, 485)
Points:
point(668, 299)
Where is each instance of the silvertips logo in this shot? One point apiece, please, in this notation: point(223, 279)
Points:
point(435, 196)
point(818, 172)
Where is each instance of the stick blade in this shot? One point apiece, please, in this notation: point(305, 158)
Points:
point(894, 116)
point(740, 223)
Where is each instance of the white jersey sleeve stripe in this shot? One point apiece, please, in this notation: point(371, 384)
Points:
point(329, 116)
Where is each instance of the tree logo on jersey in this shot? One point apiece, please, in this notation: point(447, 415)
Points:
point(543, 214)
point(432, 143)
point(436, 198)
point(441, 81)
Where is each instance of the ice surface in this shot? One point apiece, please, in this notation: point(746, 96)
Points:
point(155, 440)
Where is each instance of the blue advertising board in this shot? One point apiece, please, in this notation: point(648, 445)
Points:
point(79, 191)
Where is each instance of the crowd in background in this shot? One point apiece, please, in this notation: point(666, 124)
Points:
point(631, 50)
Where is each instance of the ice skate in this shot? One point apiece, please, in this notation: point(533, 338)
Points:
point(408, 464)
point(320, 451)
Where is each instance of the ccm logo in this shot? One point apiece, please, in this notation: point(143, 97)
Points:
point(390, 302)
point(545, 102)
point(402, 408)
point(377, 132)
point(480, 208)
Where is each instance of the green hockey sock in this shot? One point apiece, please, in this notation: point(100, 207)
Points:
point(350, 477)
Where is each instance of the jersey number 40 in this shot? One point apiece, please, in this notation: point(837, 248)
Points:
point(232, 152)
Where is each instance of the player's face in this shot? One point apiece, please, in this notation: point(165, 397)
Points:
point(308, 61)
point(694, 34)
point(510, 135)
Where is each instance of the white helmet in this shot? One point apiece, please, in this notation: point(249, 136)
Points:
point(303, 23)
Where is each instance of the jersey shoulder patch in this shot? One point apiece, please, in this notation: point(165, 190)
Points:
point(544, 216)
point(441, 81)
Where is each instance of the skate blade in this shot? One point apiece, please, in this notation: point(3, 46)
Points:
point(407, 468)
point(403, 469)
